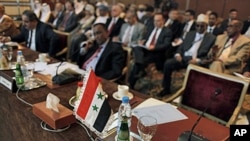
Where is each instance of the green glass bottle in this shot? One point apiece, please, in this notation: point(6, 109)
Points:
point(19, 76)
point(123, 134)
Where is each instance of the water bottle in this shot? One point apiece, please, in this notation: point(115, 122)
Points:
point(19, 76)
point(124, 120)
point(21, 61)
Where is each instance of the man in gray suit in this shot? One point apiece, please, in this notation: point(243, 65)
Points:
point(193, 50)
point(131, 32)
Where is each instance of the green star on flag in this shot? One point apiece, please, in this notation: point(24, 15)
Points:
point(95, 108)
point(100, 96)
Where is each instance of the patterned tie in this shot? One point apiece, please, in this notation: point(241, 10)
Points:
point(91, 58)
point(112, 25)
point(154, 38)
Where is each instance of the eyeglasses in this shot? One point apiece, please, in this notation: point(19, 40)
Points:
point(231, 26)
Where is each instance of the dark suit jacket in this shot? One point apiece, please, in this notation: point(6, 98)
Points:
point(46, 40)
point(71, 23)
point(148, 22)
point(224, 24)
point(206, 44)
point(111, 62)
point(245, 26)
point(163, 41)
point(59, 19)
point(116, 30)
point(176, 28)
point(217, 31)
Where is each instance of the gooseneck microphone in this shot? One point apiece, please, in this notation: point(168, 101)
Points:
point(190, 135)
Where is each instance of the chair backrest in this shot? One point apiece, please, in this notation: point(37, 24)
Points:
point(199, 89)
point(127, 63)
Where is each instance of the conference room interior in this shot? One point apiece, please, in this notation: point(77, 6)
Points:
point(192, 54)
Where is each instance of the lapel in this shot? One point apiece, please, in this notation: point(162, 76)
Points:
point(189, 40)
point(221, 44)
point(237, 45)
point(135, 31)
point(104, 53)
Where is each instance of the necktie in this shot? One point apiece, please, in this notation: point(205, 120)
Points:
point(91, 58)
point(210, 30)
point(127, 35)
point(153, 38)
point(65, 19)
point(30, 39)
point(185, 30)
point(112, 25)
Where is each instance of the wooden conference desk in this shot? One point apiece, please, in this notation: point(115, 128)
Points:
point(17, 123)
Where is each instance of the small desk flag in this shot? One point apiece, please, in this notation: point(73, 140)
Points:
point(92, 108)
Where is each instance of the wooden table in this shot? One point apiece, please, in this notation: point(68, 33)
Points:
point(18, 123)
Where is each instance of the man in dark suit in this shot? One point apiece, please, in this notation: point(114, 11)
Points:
point(246, 27)
point(114, 23)
point(70, 20)
point(195, 47)
point(38, 36)
point(151, 49)
point(189, 24)
point(232, 16)
point(58, 14)
point(148, 18)
point(103, 56)
point(212, 27)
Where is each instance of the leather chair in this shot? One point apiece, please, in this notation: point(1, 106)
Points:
point(221, 94)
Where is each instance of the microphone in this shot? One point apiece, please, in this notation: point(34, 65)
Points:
point(190, 135)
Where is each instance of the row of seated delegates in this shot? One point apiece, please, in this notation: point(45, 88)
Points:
point(37, 35)
point(77, 39)
point(105, 57)
point(151, 49)
point(231, 50)
point(193, 50)
point(7, 25)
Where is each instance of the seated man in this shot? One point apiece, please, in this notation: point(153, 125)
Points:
point(114, 23)
point(69, 22)
point(212, 27)
point(57, 15)
point(230, 50)
point(103, 56)
point(151, 49)
point(194, 48)
point(131, 32)
point(37, 35)
point(7, 25)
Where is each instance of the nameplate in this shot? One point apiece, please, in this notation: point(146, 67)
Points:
point(6, 83)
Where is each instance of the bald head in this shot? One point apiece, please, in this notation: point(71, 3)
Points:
point(116, 10)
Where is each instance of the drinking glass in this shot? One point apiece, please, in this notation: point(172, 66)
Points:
point(147, 126)
point(30, 72)
point(9, 53)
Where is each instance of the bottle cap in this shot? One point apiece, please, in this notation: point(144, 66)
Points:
point(125, 99)
point(79, 84)
point(19, 52)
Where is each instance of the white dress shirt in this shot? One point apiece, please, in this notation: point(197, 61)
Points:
point(33, 40)
point(128, 34)
point(92, 64)
point(195, 46)
point(151, 36)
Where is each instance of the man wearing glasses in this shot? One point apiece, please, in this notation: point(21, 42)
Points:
point(193, 50)
point(231, 50)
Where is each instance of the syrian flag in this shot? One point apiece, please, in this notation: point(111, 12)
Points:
point(92, 108)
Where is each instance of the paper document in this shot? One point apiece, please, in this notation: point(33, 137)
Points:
point(51, 68)
point(40, 66)
point(163, 112)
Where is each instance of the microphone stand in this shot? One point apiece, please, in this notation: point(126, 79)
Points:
point(189, 135)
